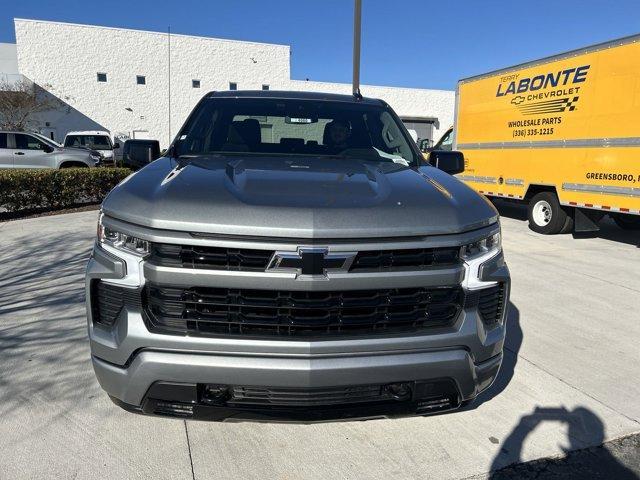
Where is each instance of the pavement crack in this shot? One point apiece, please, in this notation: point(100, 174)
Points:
point(186, 432)
point(593, 277)
point(540, 259)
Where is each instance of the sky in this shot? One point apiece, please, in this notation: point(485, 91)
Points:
point(405, 43)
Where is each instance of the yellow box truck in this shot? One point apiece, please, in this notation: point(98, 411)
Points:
point(561, 134)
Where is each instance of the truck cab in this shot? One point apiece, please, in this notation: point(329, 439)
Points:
point(446, 141)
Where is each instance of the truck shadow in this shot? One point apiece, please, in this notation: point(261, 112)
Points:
point(584, 458)
point(608, 229)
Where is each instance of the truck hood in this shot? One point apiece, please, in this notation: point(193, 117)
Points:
point(297, 198)
point(76, 151)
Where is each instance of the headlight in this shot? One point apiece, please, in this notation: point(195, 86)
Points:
point(489, 245)
point(475, 255)
point(121, 241)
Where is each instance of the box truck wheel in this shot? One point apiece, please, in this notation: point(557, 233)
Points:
point(546, 216)
point(628, 222)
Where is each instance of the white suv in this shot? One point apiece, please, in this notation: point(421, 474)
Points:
point(97, 140)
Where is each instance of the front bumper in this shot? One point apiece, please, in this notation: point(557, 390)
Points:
point(133, 386)
point(130, 361)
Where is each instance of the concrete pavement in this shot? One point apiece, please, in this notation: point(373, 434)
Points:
point(570, 378)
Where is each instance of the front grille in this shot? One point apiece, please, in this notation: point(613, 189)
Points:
point(222, 311)
point(254, 260)
point(491, 304)
point(259, 396)
point(216, 258)
point(220, 401)
point(381, 260)
point(308, 397)
point(107, 301)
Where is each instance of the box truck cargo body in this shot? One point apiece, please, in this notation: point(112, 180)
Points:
point(561, 134)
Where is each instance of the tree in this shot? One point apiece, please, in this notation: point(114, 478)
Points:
point(20, 103)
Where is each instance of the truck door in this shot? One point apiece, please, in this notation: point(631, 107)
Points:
point(446, 142)
point(6, 154)
point(30, 152)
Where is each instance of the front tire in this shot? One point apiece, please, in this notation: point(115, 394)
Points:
point(626, 221)
point(546, 215)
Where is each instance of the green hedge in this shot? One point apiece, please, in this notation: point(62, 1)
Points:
point(45, 189)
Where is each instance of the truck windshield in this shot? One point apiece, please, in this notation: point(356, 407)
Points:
point(94, 142)
point(313, 128)
point(47, 140)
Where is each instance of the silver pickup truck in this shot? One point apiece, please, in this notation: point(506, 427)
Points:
point(32, 150)
point(294, 257)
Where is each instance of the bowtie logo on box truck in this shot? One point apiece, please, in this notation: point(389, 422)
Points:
point(560, 78)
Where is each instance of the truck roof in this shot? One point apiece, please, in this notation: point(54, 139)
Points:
point(560, 56)
point(294, 95)
point(88, 132)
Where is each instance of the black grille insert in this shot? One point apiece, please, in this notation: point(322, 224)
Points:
point(381, 260)
point(222, 311)
point(217, 258)
point(107, 301)
point(308, 397)
point(235, 395)
point(218, 401)
point(242, 259)
point(491, 304)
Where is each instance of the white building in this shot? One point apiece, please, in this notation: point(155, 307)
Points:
point(144, 84)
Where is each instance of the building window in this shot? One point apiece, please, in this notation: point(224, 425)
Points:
point(265, 87)
point(195, 83)
point(141, 80)
point(233, 86)
point(102, 77)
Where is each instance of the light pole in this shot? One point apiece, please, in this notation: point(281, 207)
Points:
point(169, 76)
point(357, 21)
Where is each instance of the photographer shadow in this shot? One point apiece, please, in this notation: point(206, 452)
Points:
point(584, 430)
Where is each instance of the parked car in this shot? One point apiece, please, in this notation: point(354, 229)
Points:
point(138, 153)
point(97, 140)
point(32, 150)
point(295, 257)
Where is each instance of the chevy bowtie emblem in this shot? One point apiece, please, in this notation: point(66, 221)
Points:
point(311, 261)
point(517, 100)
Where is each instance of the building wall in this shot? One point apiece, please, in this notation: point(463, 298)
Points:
point(9, 72)
point(64, 59)
point(8, 59)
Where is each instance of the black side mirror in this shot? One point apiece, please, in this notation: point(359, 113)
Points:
point(47, 148)
point(451, 162)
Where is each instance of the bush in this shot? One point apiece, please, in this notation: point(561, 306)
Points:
point(44, 189)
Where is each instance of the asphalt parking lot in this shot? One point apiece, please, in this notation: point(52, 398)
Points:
point(570, 379)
